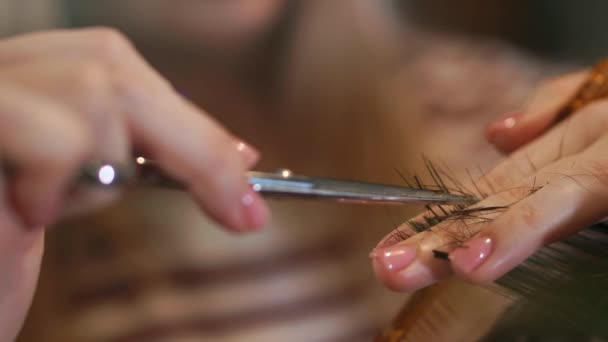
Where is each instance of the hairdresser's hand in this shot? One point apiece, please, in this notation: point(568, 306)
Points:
point(554, 183)
point(71, 96)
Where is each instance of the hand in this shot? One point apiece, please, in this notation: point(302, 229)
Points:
point(67, 97)
point(551, 185)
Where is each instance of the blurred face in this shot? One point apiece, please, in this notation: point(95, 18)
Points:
point(218, 23)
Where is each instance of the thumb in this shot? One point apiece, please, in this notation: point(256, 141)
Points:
point(517, 129)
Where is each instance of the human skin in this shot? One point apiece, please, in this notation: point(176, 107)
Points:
point(76, 95)
point(284, 142)
point(228, 27)
point(567, 161)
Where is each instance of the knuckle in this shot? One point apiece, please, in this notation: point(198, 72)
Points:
point(91, 78)
point(80, 144)
point(91, 83)
point(129, 86)
point(72, 148)
point(109, 44)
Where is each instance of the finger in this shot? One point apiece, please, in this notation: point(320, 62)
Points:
point(20, 257)
point(516, 130)
point(15, 240)
point(402, 269)
point(86, 90)
point(409, 265)
point(412, 262)
point(406, 260)
point(85, 87)
point(573, 199)
point(104, 45)
point(567, 138)
point(46, 146)
point(187, 143)
point(197, 151)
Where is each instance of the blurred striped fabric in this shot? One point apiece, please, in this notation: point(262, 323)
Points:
point(152, 268)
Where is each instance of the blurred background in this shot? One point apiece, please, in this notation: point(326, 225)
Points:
point(354, 89)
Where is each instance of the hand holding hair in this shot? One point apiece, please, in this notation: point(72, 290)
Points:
point(553, 183)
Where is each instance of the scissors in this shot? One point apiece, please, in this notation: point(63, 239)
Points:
point(145, 172)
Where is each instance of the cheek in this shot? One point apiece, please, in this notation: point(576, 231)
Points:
point(232, 20)
point(219, 22)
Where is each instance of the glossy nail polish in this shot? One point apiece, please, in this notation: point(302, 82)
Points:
point(248, 153)
point(395, 258)
point(255, 211)
point(496, 132)
point(509, 121)
point(470, 256)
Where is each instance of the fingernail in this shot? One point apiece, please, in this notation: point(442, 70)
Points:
point(496, 131)
point(470, 256)
point(395, 258)
point(255, 210)
point(248, 153)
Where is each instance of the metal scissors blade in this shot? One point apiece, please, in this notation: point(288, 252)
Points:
point(284, 183)
point(280, 184)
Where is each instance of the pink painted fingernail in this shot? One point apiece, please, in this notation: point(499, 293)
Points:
point(395, 258)
point(255, 211)
point(248, 153)
point(496, 131)
point(508, 122)
point(470, 256)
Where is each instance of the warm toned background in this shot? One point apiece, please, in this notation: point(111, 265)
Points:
point(325, 87)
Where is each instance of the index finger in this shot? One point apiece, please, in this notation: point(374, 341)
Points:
point(184, 140)
point(194, 149)
point(540, 114)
